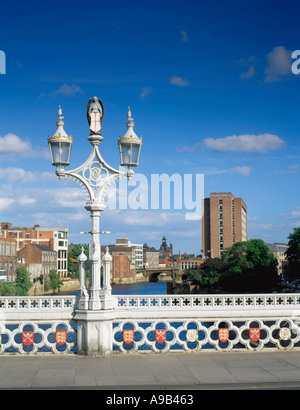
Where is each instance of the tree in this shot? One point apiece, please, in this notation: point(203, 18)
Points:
point(23, 282)
point(74, 253)
point(293, 252)
point(249, 267)
point(55, 283)
point(207, 275)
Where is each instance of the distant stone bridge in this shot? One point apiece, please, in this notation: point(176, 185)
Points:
point(153, 273)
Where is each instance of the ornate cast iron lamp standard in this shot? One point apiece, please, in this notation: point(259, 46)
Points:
point(95, 176)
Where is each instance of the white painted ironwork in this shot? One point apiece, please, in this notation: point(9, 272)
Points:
point(95, 177)
point(37, 303)
point(150, 323)
point(208, 302)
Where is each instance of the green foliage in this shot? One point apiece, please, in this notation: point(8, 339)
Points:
point(23, 282)
point(207, 275)
point(7, 289)
point(245, 267)
point(20, 287)
point(74, 253)
point(55, 283)
point(293, 252)
point(249, 267)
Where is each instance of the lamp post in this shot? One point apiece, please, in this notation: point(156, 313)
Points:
point(95, 176)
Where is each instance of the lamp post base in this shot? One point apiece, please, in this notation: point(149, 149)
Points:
point(107, 302)
point(94, 332)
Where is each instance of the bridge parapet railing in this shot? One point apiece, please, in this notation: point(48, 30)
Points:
point(150, 323)
point(208, 302)
point(35, 303)
point(37, 324)
point(206, 323)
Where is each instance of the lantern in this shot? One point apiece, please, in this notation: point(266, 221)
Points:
point(60, 144)
point(130, 145)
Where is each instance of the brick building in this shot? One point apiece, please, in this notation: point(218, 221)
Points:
point(224, 222)
point(39, 260)
point(55, 238)
point(8, 259)
point(123, 266)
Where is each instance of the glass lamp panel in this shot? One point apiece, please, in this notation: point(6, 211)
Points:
point(65, 150)
point(125, 150)
point(54, 150)
point(60, 152)
point(135, 153)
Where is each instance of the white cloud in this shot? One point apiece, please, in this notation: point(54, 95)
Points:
point(278, 64)
point(67, 91)
point(293, 169)
point(11, 143)
point(145, 92)
point(189, 148)
point(179, 81)
point(245, 143)
point(184, 36)
point(64, 197)
point(5, 203)
point(16, 174)
point(246, 171)
point(152, 218)
point(12, 174)
point(248, 74)
point(26, 200)
point(14, 146)
point(294, 214)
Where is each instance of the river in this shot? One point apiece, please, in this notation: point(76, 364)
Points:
point(141, 288)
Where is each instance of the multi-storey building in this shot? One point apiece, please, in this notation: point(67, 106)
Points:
point(150, 257)
point(55, 238)
point(39, 260)
point(123, 265)
point(8, 259)
point(137, 247)
point(224, 222)
point(278, 250)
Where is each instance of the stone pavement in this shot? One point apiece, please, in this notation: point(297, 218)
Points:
point(175, 371)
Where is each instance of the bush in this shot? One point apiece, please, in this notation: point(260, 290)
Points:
point(7, 289)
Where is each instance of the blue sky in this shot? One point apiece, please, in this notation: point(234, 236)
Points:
point(210, 88)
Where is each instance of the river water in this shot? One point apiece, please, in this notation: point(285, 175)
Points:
point(142, 288)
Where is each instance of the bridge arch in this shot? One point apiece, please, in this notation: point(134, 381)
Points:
point(152, 274)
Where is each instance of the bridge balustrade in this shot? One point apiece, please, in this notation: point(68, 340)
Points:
point(150, 323)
